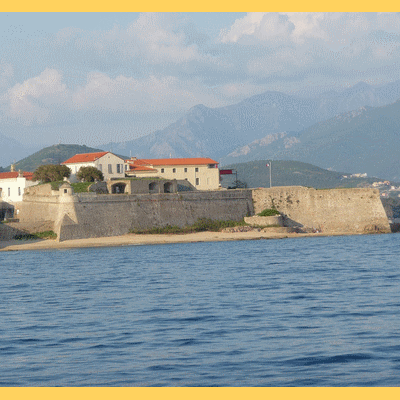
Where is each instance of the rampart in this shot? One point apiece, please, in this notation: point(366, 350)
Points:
point(328, 211)
point(85, 215)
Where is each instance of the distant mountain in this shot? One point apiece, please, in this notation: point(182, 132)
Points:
point(290, 173)
point(364, 140)
point(10, 149)
point(216, 132)
point(52, 155)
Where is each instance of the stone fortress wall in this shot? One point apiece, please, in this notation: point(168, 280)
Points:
point(327, 210)
point(85, 215)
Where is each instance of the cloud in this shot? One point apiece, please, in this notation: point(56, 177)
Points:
point(160, 65)
point(298, 45)
point(153, 94)
point(30, 101)
point(271, 29)
point(160, 38)
point(6, 74)
point(153, 39)
point(46, 98)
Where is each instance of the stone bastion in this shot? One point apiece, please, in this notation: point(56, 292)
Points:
point(85, 215)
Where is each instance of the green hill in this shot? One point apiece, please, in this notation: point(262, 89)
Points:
point(290, 173)
point(52, 155)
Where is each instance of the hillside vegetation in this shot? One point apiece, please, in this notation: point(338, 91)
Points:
point(52, 155)
point(290, 173)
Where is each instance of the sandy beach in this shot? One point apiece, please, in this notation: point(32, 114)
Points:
point(134, 239)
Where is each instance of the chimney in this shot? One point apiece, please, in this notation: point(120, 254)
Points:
point(12, 169)
point(20, 174)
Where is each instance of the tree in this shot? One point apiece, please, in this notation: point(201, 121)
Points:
point(51, 173)
point(89, 174)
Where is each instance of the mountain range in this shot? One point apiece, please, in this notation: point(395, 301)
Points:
point(354, 130)
point(366, 140)
point(277, 125)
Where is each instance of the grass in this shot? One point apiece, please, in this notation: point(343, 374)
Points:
point(36, 235)
point(54, 185)
point(201, 225)
point(81, 187)
point(268, 212)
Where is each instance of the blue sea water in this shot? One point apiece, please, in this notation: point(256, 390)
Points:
point(293, 312)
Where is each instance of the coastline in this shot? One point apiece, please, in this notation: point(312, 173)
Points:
point(135, 239)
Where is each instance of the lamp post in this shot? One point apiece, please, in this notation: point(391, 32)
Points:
point(269, 164)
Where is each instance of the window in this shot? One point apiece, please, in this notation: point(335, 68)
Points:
point(100, 168)
point(196, 170)
point(19, 191)
point(185, 169)
point(9, 192)
point(126, 167)
point(109, 168)
point(162, 170)
point(118, 168)
point(197, 181)
point(173, 170)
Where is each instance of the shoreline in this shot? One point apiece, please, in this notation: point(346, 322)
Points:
point(136, 239)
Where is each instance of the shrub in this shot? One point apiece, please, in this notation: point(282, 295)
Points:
point(268, 212)
point(201, 225)
point(36, 235)
point(51, 173)
point(89, 174)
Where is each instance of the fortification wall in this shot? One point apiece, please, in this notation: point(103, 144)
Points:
point(38, 209)
point(87, 215)
point(330, 211)
point(111, 215)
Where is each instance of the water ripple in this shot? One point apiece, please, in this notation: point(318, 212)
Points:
point(294, 312)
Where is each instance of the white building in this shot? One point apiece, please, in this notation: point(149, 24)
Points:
point(13, 184)
point(201, 172)
point(108, 163)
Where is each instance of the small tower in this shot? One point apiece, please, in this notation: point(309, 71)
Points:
point(66, 189)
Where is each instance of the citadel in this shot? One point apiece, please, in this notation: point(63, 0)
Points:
point(147, 193)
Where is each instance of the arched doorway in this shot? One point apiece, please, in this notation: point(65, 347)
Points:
point(118, 188)
point(167, 187)
point(153, 187)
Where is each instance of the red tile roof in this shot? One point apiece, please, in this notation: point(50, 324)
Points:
point(174, 161)
point(141, 168)
point(85, 157)
point(13, 175)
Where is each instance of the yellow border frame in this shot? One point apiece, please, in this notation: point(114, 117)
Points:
point(203, 393)
point(202, 6)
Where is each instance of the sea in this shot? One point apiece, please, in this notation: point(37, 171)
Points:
point(321, 311)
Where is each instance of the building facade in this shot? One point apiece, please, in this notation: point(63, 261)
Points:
point(108, 163)
point(202, 173)
point(13, 184)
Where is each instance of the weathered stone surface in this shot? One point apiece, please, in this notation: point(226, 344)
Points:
point(264, 221)
point(328, 211)
point(86, 215)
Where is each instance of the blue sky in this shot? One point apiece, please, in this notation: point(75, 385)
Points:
point(91, 78)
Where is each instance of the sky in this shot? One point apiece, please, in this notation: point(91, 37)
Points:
point(93, 78)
